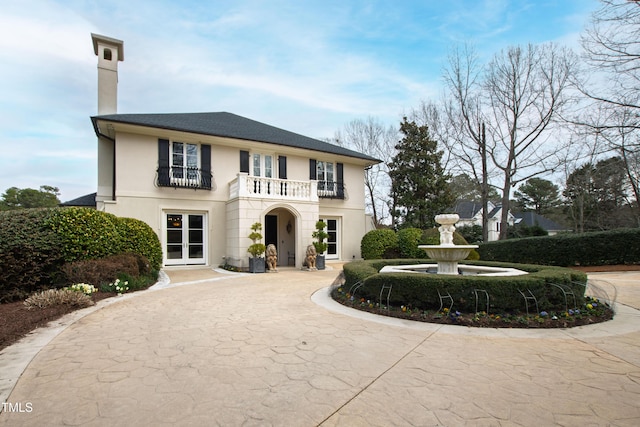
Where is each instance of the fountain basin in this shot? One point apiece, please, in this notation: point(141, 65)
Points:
point(464, 269)
point(447, 256)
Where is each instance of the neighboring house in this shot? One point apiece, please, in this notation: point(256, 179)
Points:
point(470, 213)
point(200, 180)
point(531, 218)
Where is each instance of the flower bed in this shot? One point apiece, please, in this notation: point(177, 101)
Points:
point(592, 311)
point(474, 300)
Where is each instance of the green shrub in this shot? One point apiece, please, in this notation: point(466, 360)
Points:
point(471, 233)
point(378, 244)
point(598, 248)
point(35, 244)
point(139, 238)
point(431, 236)
point(97, 272)
point(86, 233)
point(421, 290)
point(30, 253)
point(53, 297)
point(408, 241)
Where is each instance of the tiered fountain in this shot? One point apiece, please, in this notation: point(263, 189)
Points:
point(446, 253)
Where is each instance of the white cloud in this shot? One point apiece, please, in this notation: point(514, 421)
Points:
point(309, 67)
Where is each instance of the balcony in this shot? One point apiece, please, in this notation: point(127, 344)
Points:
point(284, 189)
point(272, 188)
point(183, 177)
point(331, 190)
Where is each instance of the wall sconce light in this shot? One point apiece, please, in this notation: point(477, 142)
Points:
point(289, 227)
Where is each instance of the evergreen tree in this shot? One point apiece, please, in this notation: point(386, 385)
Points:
point(419, 183)
point(24, 198)
point(538, 195)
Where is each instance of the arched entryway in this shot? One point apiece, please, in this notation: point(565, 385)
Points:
point(280, 230)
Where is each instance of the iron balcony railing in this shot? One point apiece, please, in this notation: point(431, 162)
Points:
point(184, 177)
point(331, 190)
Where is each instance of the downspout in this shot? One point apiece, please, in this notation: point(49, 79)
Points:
point(99, 134)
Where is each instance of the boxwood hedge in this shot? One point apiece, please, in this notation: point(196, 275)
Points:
point(36, 243)
point(597, 248)
point(421, 290)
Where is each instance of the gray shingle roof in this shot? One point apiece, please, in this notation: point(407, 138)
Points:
point(467, 209)
point(232, 126)
point(531, 218)
point(88, 200)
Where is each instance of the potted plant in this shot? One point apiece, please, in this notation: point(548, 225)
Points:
point(256, 262)
point(320, 244)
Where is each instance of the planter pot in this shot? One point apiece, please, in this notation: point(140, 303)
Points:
point(256, 265)
point(320, 262)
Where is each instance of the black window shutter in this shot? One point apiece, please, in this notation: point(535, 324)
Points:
point(163, 162)
point(205, 165)
point(282, 167)
point(340, 172)
point(312, 169)
point(244, 161)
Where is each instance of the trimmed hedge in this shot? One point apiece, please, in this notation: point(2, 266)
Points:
point(599, 248)
point(36, 243)
point(421, 290)
point(378, 243)
point(387, 244)
point(29, 253)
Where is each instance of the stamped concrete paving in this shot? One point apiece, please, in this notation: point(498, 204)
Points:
point(256, 350)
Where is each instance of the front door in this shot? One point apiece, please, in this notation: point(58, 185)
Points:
point(185, 239)
point(271, 230)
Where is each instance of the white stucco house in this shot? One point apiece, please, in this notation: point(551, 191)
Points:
point(470, 213)
point(200, 180)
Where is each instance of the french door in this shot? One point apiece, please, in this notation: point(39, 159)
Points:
point(333, 241)
point(185, 239)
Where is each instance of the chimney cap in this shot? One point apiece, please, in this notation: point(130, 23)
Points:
point(119, 44)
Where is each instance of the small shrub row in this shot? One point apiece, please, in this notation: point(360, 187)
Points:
point(599, 248)
point(387, 244)
point(53, 297)
point(98, 272)
point(421, 290)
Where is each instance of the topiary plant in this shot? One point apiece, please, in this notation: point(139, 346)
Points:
point(321, 235)
point(256, 249)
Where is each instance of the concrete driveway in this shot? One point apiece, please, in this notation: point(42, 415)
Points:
point(268, 349)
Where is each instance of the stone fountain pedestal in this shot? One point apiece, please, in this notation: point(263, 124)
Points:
point(446, 254)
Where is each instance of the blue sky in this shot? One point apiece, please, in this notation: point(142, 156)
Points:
point(305, 66)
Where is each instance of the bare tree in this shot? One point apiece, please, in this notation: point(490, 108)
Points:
point(501, 116)
point(612, 46)
point(527, 91)
point(612, 50)
point(372, 137)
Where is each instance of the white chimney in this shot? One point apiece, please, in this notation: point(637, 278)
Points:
point(109, 52)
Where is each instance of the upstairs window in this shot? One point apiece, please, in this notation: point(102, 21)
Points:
point(330, 178)
point(262, 165)
point(183, 164)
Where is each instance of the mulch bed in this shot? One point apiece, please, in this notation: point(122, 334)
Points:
point(16, 320)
